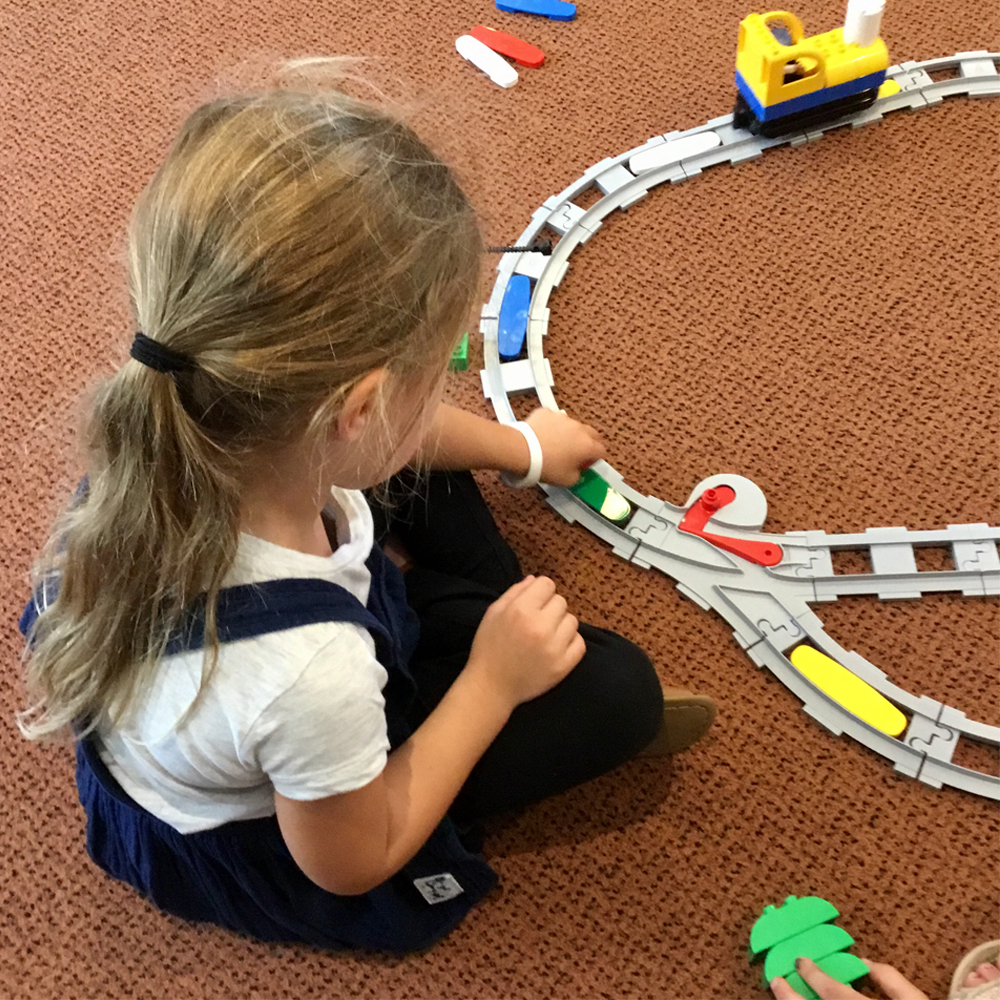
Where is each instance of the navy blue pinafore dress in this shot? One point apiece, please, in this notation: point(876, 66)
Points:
point(241, 875)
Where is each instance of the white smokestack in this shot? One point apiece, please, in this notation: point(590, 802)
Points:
point(863, 21)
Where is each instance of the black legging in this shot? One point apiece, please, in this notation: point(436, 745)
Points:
point(609, 707)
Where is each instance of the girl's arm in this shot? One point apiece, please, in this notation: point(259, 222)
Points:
point(350, 843)
point(458, 439)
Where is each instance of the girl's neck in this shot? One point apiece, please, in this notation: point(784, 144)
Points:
point(317, 539)
point(283, 501)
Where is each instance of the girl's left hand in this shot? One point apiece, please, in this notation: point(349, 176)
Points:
point(568, 447)
point(893, 983)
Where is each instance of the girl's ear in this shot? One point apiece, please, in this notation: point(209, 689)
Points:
point(359, 406)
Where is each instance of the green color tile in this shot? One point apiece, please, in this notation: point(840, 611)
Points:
point(595, 492)
point(460, 356)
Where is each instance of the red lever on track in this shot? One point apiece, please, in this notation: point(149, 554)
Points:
point(694, 521)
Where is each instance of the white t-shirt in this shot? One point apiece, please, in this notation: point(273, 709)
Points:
point(298, 711)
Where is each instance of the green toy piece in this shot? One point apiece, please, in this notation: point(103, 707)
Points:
point(460, 356)
point(801, 928)
point(777, 924)
point(595, 492)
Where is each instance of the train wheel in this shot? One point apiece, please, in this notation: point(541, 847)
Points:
point(743, 116)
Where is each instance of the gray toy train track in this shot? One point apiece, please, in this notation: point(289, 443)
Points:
point(767, 607)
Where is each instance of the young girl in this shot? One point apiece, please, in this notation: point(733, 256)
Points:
point(264, 738)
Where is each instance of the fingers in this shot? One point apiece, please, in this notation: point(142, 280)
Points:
point(562, 624)
point(592, 442)
point(535, 591)
point(892, 982)
point(576, 651)
point(826, 987)
point(541, 593)
point(568, 444)
point(566, 632)
point(594, 436)
point(782, 991)
point(596, 451)
point(512, 593)
point(552, 614)
point(549, 608)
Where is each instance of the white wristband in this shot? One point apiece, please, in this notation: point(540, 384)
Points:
point(534, 473)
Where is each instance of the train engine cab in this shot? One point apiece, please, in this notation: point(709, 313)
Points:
point(786, 82)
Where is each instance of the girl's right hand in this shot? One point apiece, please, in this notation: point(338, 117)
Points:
point(527, 641)
point(568, 446)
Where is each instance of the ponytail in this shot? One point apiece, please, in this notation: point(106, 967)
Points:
point(290, 243)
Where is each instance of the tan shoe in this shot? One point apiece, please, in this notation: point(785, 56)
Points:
point(686, 718)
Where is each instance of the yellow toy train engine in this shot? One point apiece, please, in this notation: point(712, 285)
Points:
point(786, 82)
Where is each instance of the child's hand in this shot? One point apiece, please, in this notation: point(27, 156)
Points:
point(568, 447)
point(527, 642)
point(892, 982)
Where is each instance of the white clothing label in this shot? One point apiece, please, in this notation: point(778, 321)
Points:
point(438, 888)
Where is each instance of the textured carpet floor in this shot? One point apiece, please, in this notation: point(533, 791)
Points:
point(822, 320)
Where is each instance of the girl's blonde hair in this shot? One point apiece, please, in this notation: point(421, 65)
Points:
point(293, 241)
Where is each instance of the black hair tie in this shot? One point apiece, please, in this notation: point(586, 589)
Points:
point(154, 355)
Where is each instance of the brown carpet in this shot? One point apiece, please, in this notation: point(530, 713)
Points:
point(822, 320)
